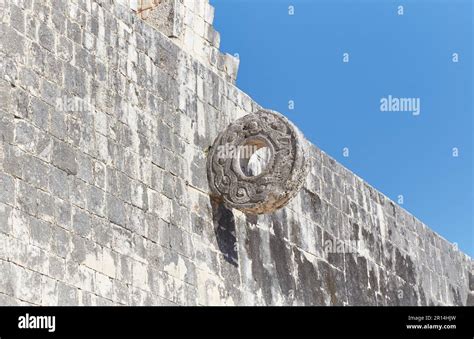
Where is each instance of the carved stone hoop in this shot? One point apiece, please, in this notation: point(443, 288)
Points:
point(253, 190)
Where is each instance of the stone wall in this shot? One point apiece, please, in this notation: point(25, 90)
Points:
point(105, 124)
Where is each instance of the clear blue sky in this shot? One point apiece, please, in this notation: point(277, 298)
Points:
point(337, 104)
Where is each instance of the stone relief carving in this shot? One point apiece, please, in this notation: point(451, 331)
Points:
point(258, 163)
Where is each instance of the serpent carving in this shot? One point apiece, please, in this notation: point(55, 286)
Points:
point(286, 163)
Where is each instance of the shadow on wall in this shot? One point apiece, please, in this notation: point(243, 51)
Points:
point(224, 228)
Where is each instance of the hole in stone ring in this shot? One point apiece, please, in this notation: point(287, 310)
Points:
point(254, 157)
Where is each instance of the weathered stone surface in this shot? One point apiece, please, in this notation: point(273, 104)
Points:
point(64, 158)
point(110, 204)
point(7, 193)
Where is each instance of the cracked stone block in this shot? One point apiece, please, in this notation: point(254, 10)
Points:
point(64, 157)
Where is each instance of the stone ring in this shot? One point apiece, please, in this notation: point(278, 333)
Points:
point(258, 163)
